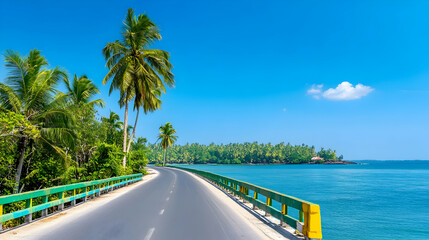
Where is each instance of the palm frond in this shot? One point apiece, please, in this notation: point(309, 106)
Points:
point(9, 99)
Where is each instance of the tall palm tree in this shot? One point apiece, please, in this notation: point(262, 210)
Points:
point(30, 91)
point(133, 68)
point(167, 138)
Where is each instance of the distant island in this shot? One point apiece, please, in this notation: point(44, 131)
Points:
point(245, 153)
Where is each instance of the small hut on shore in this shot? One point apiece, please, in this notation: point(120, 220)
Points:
point(316, 159)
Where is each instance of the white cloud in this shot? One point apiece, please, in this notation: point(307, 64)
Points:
point(344, 91)
point(284, 109)
point(315, 89)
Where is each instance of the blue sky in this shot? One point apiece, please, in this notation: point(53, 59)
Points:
point(253, 70)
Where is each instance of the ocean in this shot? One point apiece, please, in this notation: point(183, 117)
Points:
point(371, 200)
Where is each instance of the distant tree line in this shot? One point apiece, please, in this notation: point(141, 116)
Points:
point(237, 153)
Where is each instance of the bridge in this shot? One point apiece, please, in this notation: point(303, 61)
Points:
point(175, 204)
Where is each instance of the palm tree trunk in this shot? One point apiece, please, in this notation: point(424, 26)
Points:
point(23, 147)
point(134, 131)
point(165, 152)
point(124, 149)
point(132, 135)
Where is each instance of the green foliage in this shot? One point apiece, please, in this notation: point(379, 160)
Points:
point(7, 166)
point(50, 138)
point(14, 124)
point(328, 154)
point(137, 161)
point(166, 135)
point(105, 162)
point(236, 153)
point(112, 127)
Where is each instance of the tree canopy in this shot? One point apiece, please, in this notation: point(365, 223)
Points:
point(236, 153)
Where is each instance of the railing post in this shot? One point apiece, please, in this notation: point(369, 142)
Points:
point(60, 197)
point(91, 188)
point(97, 194)
point(28, 204)
point(73, 202)
point(1, 213)
point(240, 189)
point(284, 212)
point(246, 192)
point(255, 196)
point(86, 194)
point(269, 203)
point(45, 199)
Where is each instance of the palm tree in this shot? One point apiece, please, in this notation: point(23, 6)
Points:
point(150, 102)
point(167, 138)
point(113, 124)
point(133, 68)
point(30, 91)
point(81, 91)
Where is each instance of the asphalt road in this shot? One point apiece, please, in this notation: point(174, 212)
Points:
point(174, 205)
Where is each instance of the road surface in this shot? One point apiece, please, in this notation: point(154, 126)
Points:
point(174, 205)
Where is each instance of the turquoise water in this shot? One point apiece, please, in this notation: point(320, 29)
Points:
point(375, 200)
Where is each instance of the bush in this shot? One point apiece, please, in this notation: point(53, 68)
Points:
point(105, 162)
point(137, 161)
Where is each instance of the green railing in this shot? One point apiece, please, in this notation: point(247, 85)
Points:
point(309, 222)
point(63, 194)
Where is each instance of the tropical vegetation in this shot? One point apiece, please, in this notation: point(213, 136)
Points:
point(49, 137)
point(50, 132)
point(237, 153)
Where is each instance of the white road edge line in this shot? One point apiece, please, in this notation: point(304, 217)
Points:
point(149, 234)
point(162, 212)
